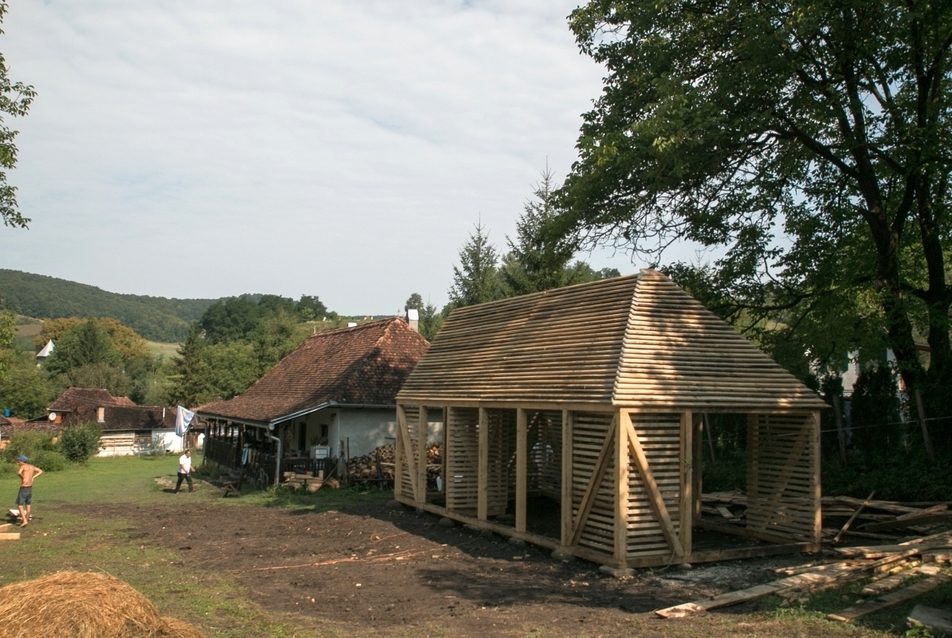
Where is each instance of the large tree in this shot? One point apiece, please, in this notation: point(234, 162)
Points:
point(15, 99)
point(476, 280)
point(811, 138)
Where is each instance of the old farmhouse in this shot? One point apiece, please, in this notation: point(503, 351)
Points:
point(127, 428)
point(334, 395)
point(574, 418)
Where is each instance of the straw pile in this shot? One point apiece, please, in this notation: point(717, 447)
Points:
point(83, 605)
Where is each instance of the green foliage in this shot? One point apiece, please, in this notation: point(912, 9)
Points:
point(49, 461)
point(24, 388)
point(536, 261)
point(811, 140)
point(239, 318)
point(874, 414)
point(155, 318)
point(15, 100)
point(190, 385)
point(29, 444)
point(476, 280)
point(79, 442)
point(430, 318)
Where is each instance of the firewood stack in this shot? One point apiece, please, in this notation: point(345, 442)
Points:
point(380, 463)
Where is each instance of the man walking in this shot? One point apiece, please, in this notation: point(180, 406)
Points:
point(184, 471)
point(27, 473)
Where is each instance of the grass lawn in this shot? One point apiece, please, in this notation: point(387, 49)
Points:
point(62, 541)
point(61, 538)
point(167, 350)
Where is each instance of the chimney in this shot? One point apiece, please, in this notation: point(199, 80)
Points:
point(413, 318)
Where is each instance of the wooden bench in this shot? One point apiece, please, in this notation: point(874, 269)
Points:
point(231, 483)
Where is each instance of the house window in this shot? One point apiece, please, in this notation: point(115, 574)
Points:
point(100, 414)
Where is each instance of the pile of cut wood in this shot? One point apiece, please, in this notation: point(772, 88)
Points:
point(379, 464)
point(306, 481)
point(913, 544)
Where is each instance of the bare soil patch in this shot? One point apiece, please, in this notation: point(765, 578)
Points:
point(379, 568)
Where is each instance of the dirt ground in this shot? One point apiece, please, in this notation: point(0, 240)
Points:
point(379, 566)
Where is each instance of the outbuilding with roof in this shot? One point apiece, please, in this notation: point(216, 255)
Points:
point(332, 396)
point(591, 398)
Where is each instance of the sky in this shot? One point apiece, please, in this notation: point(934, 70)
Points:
point(344, 149)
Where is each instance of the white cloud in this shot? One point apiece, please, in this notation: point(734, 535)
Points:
point(343, 149)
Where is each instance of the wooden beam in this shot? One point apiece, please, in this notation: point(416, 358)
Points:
point(421, 445)
point(482, 468)
point(522, 457)
point(686, 508)
point(398, 454)
point(700, 427)
point(846, 526)
point(408, 453)
point(9, 536)
point(738, 530)
point(651, 486)
point(622, 459)
point(566, 532)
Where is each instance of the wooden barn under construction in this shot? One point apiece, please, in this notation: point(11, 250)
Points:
point(573, 420)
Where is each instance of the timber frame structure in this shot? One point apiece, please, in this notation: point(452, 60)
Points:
point(593, 395)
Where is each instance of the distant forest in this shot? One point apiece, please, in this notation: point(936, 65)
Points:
point(42, 297)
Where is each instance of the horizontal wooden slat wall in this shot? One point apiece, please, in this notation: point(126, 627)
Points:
point(588, 437)
point(501, 478)
point(546, 451)
point(660, 436)
point(462, 458)
point(782, 475)
point(412, 413)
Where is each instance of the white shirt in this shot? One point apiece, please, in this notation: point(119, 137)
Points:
point(185, 464)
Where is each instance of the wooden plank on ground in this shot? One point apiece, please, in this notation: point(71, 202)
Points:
point(824, 577)
point(6, 527)
point(888, 600)
point(937, 621)
point(9, 536)
point(928, 519)
point(894, 580)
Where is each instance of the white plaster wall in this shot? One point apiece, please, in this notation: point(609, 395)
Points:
point(367, 428)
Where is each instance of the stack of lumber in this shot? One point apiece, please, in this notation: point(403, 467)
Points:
point(379, 464)
point(305, 481)
point(887, 566)
point(845, 516)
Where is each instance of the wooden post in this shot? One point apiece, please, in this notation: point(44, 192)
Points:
point(710, 436)
point(400, 453)
point(621, 490)
point(421, 467)
point(566, 477)
point(482, 470)
point(925, 428)
point(840, 434)
point(817, 485)
point(698, 463)
point(753, 466)
point(686, 509)
point(522, 457)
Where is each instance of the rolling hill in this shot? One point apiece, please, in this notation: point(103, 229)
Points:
point(155, 318)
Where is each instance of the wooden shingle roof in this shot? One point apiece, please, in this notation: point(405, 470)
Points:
point(364, 365)
point(637, 341)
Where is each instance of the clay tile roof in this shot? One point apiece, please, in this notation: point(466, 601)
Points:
point(75, 397)
point(366, 364)
point(138, 417)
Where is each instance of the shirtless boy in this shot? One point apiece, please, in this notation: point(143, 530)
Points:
point(27, 473)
